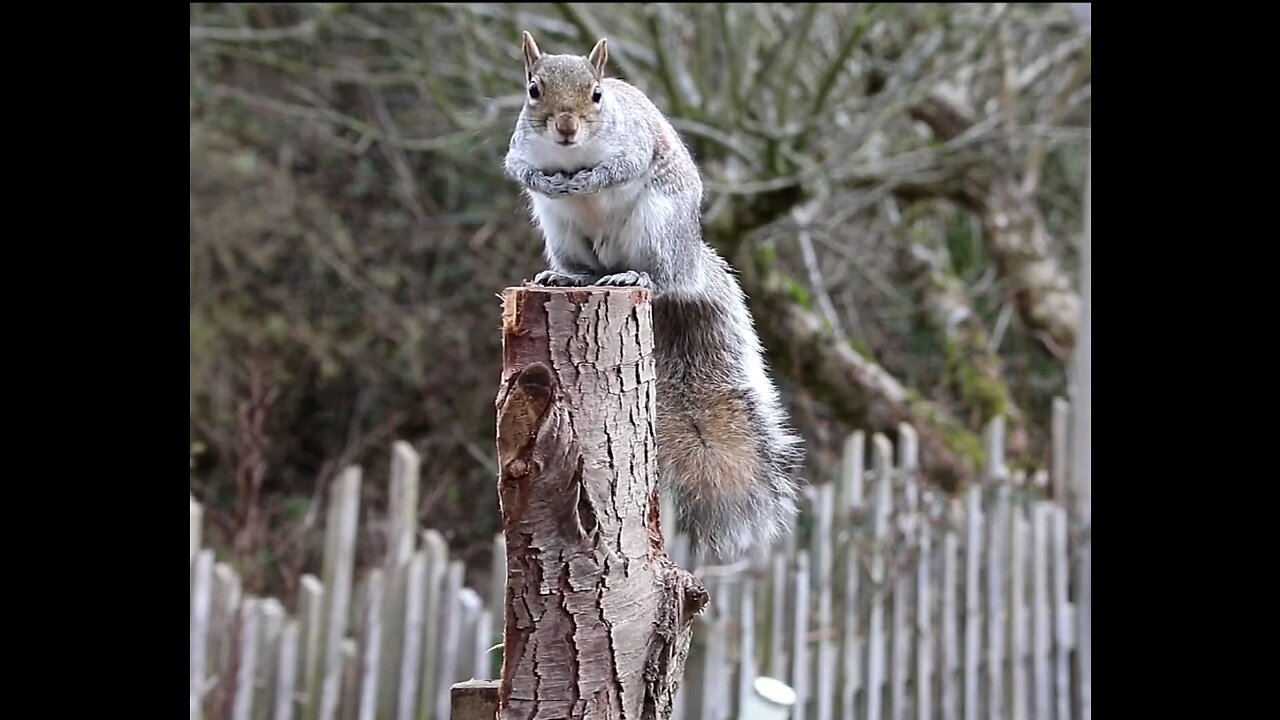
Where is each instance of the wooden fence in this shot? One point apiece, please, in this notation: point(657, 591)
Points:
point(904, 602)
point(892, 601)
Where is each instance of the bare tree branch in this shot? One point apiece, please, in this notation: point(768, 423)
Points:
point(1017, 239)
point(1015, 234)
point(972, 365)
point(858, 390)
point(301, 30)
point(818, 358)
point(838, 64)
point(589, 31)
point(347, 121)
point(802, 217)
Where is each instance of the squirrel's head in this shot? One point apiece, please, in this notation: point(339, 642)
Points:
point(564, 94)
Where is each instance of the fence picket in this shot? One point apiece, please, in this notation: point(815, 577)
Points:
point(370, 646)
point(450, 618)
point(997, 535)
point(225, 626)
point(701, 669)
point(950, 627)
point(271, 624)
point(924, 677)
point(469, 605)
point(997, 538)
point(348, 703)
point(197, 524)
point(480, 666)
point(777, 614)
point(286, 671)
point(824, 543)
point(972, 608)
point(881, 508)
point(904, 480)
point(1040, 660)
point(1017, 606)
point(311, 629)
point(435, 568)
point(800, 637)
point(402, 525)
point(201, 601)
point(853, 510)
point(725, 611)
point(1062, 637)
point(242, 707)
point(411, 660)
point(344, 497)
point(747, 641)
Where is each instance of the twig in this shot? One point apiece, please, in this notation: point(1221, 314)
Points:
point(837, 65)
point(802, 217)
point(874, 278)
point(301, 30)
point(1002, 324)
point(395, 154)
point(589, 31)
point(798, 28)
point(666, 73)
point(720, 137)
point(364, 129)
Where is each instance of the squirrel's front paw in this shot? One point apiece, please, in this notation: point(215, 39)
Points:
point(554, 184)
point(630, 278)
point(551, 278)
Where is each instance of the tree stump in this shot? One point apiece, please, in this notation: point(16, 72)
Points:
point(598, 619)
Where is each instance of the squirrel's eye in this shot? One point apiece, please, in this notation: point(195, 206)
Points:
point(596, 94)
point(534, 92)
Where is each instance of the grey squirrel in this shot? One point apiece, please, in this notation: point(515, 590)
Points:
point(617, 197)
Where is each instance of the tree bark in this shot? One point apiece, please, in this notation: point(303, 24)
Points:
point(858, 391)
point(973, 368)
point(1015, 236)
point(598, 618)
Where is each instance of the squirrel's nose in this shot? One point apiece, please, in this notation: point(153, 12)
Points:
point(567, 125)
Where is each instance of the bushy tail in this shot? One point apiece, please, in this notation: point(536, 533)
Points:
point(724, 443)
point(737, 494)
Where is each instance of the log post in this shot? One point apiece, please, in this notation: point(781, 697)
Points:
point(473, 700)
point(598, 618)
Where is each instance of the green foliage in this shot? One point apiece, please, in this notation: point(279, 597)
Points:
point(799, 292)
point(976, 388)
point(964, 246)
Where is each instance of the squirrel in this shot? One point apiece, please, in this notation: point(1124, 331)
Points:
point(618, 198)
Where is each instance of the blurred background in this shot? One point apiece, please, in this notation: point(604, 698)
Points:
point(900, 186)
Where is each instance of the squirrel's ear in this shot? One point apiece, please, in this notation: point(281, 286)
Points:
point(599, 56)
point(531, 53)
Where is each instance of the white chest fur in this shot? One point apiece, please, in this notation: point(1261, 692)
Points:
point(605, 230)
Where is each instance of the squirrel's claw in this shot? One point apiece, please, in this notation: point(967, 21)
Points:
point(551, 278)
point(630, 278)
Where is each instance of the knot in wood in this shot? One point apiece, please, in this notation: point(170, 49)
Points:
point(695, 596)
